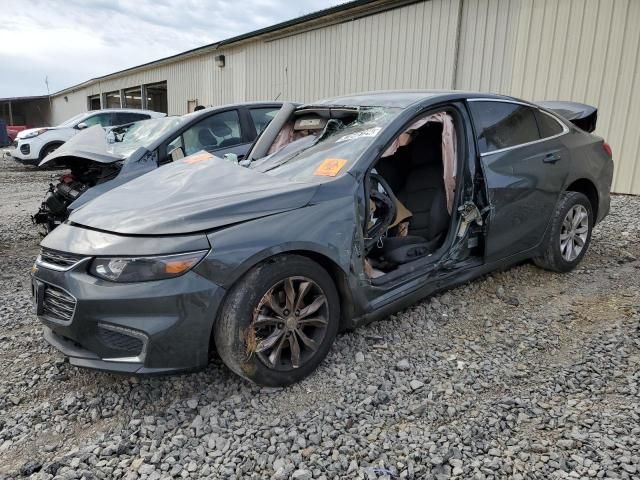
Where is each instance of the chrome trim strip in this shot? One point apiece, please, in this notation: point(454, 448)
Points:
point(506, 149)
point(501, 100)
point(565, 129)
point(58, 268)
point(132, 333)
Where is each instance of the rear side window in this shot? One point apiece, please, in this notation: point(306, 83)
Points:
point(262, 116)
point(548, 125)
point(503, 125)
point(129, 117)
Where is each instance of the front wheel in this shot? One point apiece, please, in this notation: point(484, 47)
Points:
point(48, 150)
point(279, 321)
point(570, 233)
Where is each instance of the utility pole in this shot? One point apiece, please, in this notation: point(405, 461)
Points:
point(46, 82)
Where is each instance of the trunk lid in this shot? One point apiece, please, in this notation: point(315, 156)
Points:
point(581, 115)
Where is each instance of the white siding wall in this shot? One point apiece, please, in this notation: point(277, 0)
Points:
point(580, 50)
point(408, 47)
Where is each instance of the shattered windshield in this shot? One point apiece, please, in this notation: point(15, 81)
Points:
point(71, 121)
point(316, 155)
point(145, 132)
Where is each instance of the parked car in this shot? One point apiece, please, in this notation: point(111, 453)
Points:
point(34, 144)
point(349, 209)
point(98, 166)
point(14, 130)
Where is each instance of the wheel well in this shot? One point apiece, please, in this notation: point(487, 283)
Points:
point(339, 278)
point(47, 145)
point(589, 190)
point(337, 275)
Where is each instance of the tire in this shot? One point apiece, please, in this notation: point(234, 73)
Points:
point(47, 150)
point(245, 331)
point(559, 240)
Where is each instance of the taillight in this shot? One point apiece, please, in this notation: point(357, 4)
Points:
point(607, 149)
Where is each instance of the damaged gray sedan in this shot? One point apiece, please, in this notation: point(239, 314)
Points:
point(344, 211)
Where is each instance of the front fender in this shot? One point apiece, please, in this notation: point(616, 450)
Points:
point(325, 228)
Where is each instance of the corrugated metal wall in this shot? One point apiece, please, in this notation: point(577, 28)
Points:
point(408, 47)
point(580, 50)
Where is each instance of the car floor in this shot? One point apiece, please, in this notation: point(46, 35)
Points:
point(523, 373)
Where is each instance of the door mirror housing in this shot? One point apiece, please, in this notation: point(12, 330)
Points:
point(176, 154)
point(81, 126)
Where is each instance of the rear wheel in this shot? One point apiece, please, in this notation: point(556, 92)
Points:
point(569, 235)
point(279, 321)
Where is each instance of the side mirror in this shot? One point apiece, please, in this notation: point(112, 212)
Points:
point(176, 154)
point(81, 126)
point(232, 157)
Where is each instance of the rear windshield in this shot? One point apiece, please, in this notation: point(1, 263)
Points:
point(322, 155)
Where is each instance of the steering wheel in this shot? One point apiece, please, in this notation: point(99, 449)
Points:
point(381, 194)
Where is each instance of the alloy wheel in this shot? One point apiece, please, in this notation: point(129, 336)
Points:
point(574, 232)
point(290, 323)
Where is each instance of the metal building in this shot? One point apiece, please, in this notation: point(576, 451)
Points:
point(580, 50)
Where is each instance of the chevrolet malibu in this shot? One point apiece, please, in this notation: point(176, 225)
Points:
point(344, 211)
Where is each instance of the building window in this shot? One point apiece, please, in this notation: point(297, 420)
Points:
point(133, 97)
point(112, 99)
point(156, 95)
point(94, 102)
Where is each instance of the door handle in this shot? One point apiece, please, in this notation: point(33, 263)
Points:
point(551, 158)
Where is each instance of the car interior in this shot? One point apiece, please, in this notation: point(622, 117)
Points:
point(411, 191)
point(411, 187)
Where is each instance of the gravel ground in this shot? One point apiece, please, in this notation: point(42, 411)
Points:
point(521, 374)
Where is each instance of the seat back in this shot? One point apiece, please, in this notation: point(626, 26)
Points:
point(423, 193)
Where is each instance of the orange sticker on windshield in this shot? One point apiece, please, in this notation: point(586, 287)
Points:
point(198, 157)
point(330, 167)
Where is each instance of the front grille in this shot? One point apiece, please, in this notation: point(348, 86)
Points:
point(58, 304)
point(128, 345)
point(59, 259)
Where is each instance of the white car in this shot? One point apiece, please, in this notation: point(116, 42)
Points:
point(34, 144)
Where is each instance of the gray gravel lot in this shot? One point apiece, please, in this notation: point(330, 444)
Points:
point(521, 374)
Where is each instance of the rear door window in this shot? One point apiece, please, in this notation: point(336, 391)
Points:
point(503, 124)
point(262, 116)
point(548, 125)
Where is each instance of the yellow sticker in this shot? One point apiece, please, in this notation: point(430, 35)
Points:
point(198, 157)
point(330, 167)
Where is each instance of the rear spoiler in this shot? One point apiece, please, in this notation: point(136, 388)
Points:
point(581, 115)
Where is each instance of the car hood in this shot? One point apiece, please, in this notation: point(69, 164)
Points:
point(197, 193)
point(22, 133)
point(90, 144)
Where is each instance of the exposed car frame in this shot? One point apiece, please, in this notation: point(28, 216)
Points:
point(267, 240)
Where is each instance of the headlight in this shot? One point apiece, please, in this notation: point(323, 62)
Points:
point(142, 269)
point(35, 133)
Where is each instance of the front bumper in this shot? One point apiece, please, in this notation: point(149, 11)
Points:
point(148, 327)
point(27, 152)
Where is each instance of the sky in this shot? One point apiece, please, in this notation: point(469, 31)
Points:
point(71, 41)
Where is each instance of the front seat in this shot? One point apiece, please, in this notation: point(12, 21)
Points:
point(423, 193)
point(222, 130)
point(206, 139)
